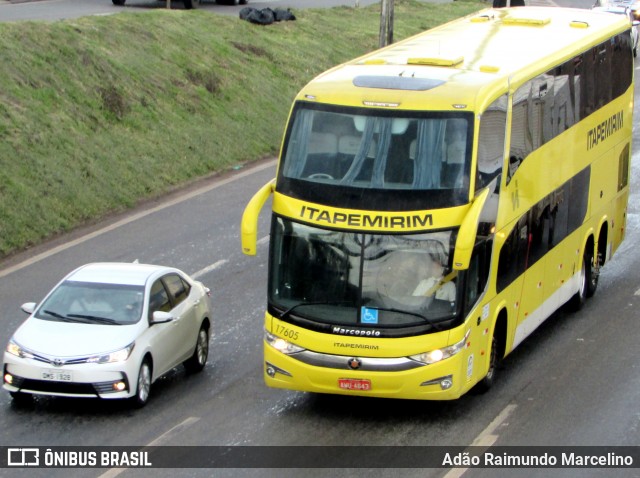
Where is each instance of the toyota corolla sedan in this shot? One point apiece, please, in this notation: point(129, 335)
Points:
point(109, 330)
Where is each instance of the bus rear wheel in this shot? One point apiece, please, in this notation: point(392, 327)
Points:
point(588, 283)
point(592, 272)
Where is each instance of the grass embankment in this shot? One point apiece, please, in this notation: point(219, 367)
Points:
point(101, 112)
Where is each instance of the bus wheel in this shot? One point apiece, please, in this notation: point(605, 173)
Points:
point(489, 379)
point(592, 273)
point(577, 301)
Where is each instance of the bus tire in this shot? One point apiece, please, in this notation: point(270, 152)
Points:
point(592, 273)
point(118, 2)
point(191, 4)
point(577, 301)
point(490, 378)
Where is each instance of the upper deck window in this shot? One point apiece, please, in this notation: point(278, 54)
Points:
point(378, 158)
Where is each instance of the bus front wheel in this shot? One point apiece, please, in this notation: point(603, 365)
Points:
point(490, 378)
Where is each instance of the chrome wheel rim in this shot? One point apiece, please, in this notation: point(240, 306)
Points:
point(202, 346)
point(144, 382)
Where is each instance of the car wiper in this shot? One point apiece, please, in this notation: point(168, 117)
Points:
point(95, 318)
point(63, 318)
point(322, 302)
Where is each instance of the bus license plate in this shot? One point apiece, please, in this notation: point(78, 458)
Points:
point(354, 384)
point(57, 376)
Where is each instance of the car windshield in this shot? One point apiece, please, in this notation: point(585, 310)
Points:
point(373, 281)
point(93, 303)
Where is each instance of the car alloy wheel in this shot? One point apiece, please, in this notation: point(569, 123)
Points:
point(143, 388)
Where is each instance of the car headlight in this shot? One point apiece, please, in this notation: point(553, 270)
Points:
point(15, 349)
point(437, 355)
point(281, 345)
point(112, 357)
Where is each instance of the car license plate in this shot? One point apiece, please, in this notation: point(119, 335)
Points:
point(354, 384)
point(57, 376)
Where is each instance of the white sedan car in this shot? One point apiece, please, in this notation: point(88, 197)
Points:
point(109, 330)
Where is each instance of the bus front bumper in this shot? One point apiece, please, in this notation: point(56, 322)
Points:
point(440, 381)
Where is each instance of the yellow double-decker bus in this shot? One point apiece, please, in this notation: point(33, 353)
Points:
point(436, 200)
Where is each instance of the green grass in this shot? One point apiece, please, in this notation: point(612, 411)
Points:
point(99, 113)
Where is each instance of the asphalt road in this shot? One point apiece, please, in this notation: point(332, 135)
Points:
point(575, 381)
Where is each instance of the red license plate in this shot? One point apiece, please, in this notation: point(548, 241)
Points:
point(354, 384)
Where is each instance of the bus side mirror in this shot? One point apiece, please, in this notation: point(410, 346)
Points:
point(467, 233)
point(249, 226)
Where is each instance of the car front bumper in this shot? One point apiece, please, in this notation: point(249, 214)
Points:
point(108, 381)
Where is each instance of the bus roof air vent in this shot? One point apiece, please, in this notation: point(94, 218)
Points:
point(528, 20)
point(411, 83)
point(436, 61)
point(482, 18)
point(578, 24)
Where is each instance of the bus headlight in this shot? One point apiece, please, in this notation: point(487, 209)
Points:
point(437, 355)
point(280, 344)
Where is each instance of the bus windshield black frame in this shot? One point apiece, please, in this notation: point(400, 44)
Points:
point(389, 284)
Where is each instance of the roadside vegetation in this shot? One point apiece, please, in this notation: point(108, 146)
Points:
point(100, 113)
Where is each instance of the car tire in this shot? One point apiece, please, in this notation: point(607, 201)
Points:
point(118, 2)
point(198, 360)
point(143, 384)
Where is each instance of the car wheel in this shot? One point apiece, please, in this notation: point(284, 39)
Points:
point(118, 2)
point(198, 360)
point(143, 385)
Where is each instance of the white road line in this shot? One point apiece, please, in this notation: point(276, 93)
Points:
point(486, 438)
point(207, 269)
point(637, 292)
point(262, 240)
point(113, 472)
point(135, 217)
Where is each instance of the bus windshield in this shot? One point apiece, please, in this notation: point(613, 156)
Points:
point(416, 159)
point(364, 280)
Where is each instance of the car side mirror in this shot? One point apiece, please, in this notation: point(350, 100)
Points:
point(160, 317)
point(28, 307)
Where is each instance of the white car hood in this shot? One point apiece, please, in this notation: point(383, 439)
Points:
point(64, 339)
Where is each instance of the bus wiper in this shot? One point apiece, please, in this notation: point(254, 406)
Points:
point(420, 316)
point(95, 318)
point(320, 302)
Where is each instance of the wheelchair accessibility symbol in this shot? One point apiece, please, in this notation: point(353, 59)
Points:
point(368, 316)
